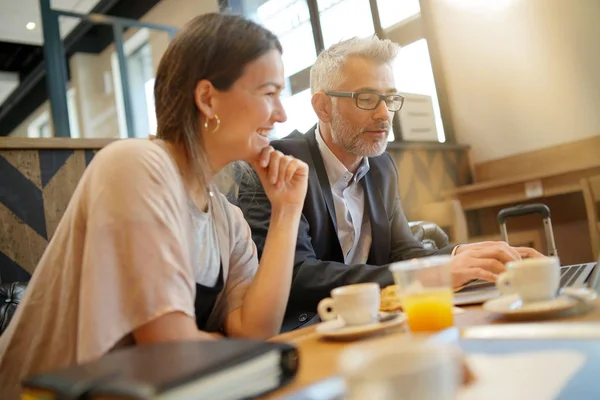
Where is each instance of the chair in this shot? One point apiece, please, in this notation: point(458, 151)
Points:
point(430, 235)
point(449, 216)
point(10, 297)
point(591, 195)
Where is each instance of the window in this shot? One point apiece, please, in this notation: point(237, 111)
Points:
point(40, 126)
point(290, 21)
point(73, 116)
point(44, 130)
point(340, 20)
point(345, 19)
point(301, 115)
point(140, 74)
point(413, 74)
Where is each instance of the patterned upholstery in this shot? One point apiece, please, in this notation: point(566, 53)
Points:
point(38, 184)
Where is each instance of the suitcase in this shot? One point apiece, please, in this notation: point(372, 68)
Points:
point(526, 209)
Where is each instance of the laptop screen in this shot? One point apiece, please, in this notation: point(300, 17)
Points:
point(594, 280)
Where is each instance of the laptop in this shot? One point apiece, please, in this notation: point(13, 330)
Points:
point(578, 275)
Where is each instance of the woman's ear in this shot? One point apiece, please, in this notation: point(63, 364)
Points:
point(203, 96)
point(322, 105)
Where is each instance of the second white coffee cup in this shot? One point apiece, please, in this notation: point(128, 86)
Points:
point(404, 369)
point(532, 279)
point(354, 304)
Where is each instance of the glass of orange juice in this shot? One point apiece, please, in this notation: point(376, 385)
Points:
point(425, 292)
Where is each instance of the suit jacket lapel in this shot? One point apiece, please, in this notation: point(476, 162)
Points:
point(321, 173)
point(379, 253)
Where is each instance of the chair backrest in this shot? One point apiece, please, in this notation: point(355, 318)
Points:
point(591, 195)
point(449, 215)
point(10, 297)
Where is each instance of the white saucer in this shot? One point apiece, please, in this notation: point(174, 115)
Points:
point(475, 296)
point(511, 305)
point(337, 330)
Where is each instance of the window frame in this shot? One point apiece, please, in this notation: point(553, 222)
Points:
point(405, 32)
point(132, 45)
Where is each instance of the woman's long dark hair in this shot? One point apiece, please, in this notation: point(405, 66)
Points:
point(216, 47)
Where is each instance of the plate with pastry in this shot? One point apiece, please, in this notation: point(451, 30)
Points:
point(391, 303)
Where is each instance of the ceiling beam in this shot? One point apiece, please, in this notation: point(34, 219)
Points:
point(85, 37)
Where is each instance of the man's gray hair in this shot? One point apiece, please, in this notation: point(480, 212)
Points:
point(325, 73)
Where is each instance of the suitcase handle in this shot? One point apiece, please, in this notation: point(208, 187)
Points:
point(523, 209)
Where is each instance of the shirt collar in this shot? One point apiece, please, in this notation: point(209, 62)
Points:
point(336, 171)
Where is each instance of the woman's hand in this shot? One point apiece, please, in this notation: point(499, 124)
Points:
point(284, 178)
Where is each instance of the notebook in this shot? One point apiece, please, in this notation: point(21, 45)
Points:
point(217, 370)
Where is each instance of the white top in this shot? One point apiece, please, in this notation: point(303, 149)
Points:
point(353, 225)
point(125, 253)
point(205, 246)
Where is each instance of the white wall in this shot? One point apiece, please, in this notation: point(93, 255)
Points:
point(521, 74)
point(174, 13)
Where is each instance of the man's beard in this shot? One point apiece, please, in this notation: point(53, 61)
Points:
point(351, 139)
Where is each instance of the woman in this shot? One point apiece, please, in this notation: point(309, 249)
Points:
point(148, 250)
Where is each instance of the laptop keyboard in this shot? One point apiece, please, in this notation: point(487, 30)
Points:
point(569, 274)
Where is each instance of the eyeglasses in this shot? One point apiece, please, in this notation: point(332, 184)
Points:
point(370, 100)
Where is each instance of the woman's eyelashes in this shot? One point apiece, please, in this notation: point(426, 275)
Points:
point(274, 92)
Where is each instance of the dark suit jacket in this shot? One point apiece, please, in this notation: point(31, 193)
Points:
point(319, 262)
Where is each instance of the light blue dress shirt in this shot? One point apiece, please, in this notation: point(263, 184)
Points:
point(353, 225)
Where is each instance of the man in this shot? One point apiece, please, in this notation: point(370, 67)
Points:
point(353, 225)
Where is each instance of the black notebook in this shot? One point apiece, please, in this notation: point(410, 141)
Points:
point(222, 369)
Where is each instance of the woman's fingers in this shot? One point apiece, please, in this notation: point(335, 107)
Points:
point(265, 156)
point(291, 170)
point(284, 166)
point(273, 166)
point(283, 177)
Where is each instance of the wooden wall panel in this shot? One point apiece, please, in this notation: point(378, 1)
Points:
point(36, 186)
point(59, 190)
point(424, 174)
point(576, 155)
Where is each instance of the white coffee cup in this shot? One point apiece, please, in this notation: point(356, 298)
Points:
point(354, 304)
point(406, 369)
point(532, 279)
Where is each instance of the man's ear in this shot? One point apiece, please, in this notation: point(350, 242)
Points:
point(323, 106)
point(203, 97)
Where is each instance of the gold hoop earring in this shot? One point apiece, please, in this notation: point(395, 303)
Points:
point(218, 123)
point(217, 119)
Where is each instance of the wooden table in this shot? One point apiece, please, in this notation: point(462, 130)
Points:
point(319, 358)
